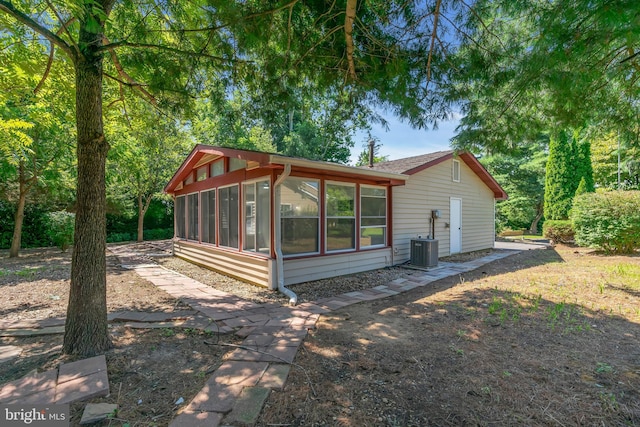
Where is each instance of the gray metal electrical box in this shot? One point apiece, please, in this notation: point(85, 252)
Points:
point(424, 252)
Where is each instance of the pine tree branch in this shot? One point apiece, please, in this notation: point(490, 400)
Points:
point(477, 16)
point(631, 55)
point(124, 43)
point(8, 8)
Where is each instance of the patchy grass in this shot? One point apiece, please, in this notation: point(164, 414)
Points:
point(545, 337)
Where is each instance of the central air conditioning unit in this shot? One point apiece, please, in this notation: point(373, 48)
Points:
point(424, 252)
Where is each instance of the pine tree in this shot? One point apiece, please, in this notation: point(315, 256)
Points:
point(559, 187)
point(582, 187)
point(569, 171)
point(584, 169)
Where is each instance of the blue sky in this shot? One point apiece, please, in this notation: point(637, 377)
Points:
point(401, 140)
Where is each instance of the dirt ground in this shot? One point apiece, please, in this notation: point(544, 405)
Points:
point(545, 337)
point(149, 369)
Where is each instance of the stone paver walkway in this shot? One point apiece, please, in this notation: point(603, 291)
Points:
point(238, 389)
point(272, 334)
point(71, 382)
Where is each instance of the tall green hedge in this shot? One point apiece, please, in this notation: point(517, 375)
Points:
point(609, 221)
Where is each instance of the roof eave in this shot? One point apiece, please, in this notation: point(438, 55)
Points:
point(484, 175)
point(394, 178)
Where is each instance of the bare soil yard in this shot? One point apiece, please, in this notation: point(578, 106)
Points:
point(545, 337)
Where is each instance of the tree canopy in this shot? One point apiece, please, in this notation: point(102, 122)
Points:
point(529, 67)
point(368, 53)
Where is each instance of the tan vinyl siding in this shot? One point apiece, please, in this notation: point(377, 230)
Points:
point(316, 268)
point(248, 268)
point(433, 188)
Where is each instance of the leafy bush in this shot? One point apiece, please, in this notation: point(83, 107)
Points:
point(120, 237)
point(559, 231)
point(60, 228)
point(158, 234)
point(609, 221)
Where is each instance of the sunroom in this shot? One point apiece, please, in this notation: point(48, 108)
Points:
point(274, 220)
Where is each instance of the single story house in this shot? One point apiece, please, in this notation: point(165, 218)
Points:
point(274, 220)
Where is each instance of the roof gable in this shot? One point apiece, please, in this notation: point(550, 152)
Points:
point(411, 165)
point(415, 164)
point(203, 154)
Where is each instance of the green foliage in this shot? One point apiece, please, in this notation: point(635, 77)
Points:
point(569, 162)
point(569, 316)
point(559, 231)
point(14, 138)
point(582, 187)
point(609, 221)
point(35, 221)
point(152, 234)
point(584, 168)
point(60, 229)
point(122, 226)
point(559, 189)
point(606, 148)
point(529, 66)
point(363, 157)
point(521, 173)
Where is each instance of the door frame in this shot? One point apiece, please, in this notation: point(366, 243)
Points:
point(455, 233)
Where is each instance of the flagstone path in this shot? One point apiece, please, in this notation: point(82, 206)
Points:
point(237, 390)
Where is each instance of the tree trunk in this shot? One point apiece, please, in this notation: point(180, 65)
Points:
point(534, 224)
point(86, 330)
point(16, 240)
point(142, 210)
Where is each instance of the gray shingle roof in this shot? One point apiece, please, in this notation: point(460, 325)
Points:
point(409, 163)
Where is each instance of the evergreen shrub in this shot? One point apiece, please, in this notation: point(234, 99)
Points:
point(609, 221)
point(559, 231)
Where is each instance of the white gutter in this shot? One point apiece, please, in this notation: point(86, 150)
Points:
point(293, 298)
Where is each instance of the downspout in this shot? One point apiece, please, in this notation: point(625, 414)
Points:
point(293, 298)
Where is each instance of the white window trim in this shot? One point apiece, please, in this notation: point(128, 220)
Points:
point(186, 216)
point(244, 216)
point(319, 217)
point(453, 171)
point(215, 224)
point(218, 216)
point(326, 218)
point(386, 217)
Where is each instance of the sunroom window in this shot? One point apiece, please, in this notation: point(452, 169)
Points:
point(192, 216)
point(373, 216)
point(257, 216)
point(217, 167)
point(208, 216)
point(236, 164)
point(299, 212)
point(341, 219)
point(179, 212)
point(201, 173)
point(228, 216)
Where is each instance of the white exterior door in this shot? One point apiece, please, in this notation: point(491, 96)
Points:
point(455, 230)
